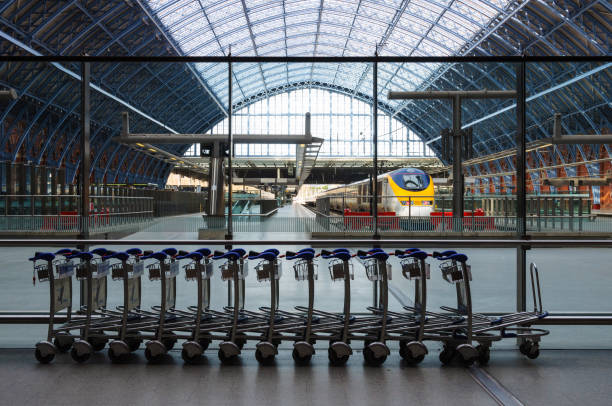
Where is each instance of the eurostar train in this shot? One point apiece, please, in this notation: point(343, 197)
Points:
point(406, 191)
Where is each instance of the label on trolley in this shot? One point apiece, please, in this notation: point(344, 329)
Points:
point(133, 294)
point(137, 269)
point(102, 268)
point(173, 269)
point(62, 294)
point(98, 293)
point(208, 270)
point(65, 269)
point(171, 292)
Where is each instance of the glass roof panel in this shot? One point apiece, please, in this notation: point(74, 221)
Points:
point(341, 27)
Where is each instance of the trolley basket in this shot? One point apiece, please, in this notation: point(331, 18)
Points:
point(451, 272)
point(300, 268)
point(227, 270)
point(411, 268)
point(192, 269)
point(374, 271)
point(266, 269)
point(336, 269)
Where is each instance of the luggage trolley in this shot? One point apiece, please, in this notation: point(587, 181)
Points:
point(481, 328)
point(378, 271)
point(340, 268)
point(514, 325)
point(304, 269)
point(268, 269)
point(457, 336)
point(165, 270)
point(59, 275)
point(92, 273)
point(129, 271)
point(414, 268)
point(199, 269)
point(235, 270)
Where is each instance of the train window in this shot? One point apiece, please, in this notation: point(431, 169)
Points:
point(413, 181)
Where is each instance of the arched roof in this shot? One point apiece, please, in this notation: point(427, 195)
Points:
point(192, 97)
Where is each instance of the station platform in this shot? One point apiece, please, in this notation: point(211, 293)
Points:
point(557, 378)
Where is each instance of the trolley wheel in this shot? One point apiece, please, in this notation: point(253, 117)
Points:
point(534, 353)
point(43, 359)
point(468, 361)
point(153, 359)
point(370, 358)
point(530, 349)
point(204, 342)
point(193, 359)
point(299, 360)
point(225, 359)
point(336, 360)
point(447, 355)
point(133, 343)
point(115, 358)
point(63, 342)
point(97, 343)
point(484, 354)
point(80, 358)
point(169, 342)
point(264, 360)
point(407, 356)
point(240, 341)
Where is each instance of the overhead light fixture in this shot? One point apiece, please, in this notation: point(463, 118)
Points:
point(140, 145)
point(152, 150)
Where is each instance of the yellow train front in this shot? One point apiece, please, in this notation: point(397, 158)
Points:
point(403, 192)
point(407, 192)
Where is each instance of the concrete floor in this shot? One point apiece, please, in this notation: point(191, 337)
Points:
point(556, 378)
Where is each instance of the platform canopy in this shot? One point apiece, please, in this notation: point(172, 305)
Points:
point(191, 98)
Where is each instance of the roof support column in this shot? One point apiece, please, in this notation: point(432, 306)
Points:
point(375, 148)
point(458, 184)
point(85, 148)
point(521, 208)
point(216, 186)
point(230, 142)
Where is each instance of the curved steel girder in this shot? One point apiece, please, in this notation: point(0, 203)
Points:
point(122, 158)
point(41, 76)
point(34, 119)
point(107, 167)
point(161, 106)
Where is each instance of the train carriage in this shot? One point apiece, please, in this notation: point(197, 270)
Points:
point(404, 192)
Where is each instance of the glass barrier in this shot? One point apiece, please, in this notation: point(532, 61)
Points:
point(573, 281)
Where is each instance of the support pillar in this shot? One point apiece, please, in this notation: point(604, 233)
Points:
point(458, 184)
point(521, 154)
point(85, 149)
point(216, 182)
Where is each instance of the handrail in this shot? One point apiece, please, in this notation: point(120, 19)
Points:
point(424, 243)
point(91, 196)
point(267, 214)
